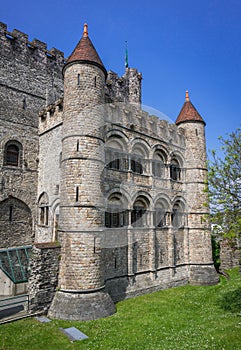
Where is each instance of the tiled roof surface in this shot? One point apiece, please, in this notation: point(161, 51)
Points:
point(85, 51)
point(188, 113)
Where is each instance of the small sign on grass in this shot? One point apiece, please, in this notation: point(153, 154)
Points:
point(73, 333)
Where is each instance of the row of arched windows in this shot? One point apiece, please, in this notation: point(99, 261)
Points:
point(140, 215)
point(133, 162)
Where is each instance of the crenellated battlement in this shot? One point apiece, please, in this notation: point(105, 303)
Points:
point(126, 115)
point(29, 71)
point(138, 120)
point(51, 116)
point(126, 88)
point(20, 40)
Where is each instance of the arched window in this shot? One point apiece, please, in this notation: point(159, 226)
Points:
point(116, 214)
point(175, 170)
point(116, 160)
point(12, 153)
point(139, 212)
point(158, 164)
point(136, 165)
point(160, 215)
point(177, 216)
point(139, 156)
point(43, 209)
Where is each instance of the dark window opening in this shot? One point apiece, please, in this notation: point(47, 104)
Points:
point(11, 213)
point(77, 194)
point(116, 218)
point(114, 164)
point(175, 171)
point(136, 167)
point(42, 215)
point(78, 79)
point(46, 215)
point(12, 155)
point(24, 103)
point(138, 218)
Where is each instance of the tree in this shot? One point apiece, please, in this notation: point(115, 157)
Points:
point(224, 181)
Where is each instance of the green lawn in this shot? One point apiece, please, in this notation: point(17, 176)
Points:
point(180, 318)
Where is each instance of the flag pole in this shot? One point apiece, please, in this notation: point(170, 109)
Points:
point(126, 57)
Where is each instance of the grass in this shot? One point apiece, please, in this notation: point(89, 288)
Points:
point(181, 318)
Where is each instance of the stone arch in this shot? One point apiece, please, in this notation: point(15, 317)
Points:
point(159, 161)
point(116, 214)
point(178, 156)
point(162, 209)
point(178, 214)
point(159, 148)
point(15, 223)
point(116, 155)
point(126, 198)
point(176, 166)
point(140, 152)
point(140, 147)
point(117, 136)
point(140, 214)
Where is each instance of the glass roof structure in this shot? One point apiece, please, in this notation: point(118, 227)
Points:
point(14, 263)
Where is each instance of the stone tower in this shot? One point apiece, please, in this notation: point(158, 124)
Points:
point(82, 294)
point(202, 271)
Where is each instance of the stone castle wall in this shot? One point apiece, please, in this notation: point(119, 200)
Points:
point(43, 279)
point(30, 78)
point(127, 186)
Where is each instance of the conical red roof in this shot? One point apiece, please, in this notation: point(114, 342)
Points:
point(188, 113)
point(85, 52)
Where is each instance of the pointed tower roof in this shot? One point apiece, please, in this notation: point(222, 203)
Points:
point(85, 52)
point(189, 113)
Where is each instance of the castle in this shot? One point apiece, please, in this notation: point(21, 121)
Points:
point(99, 201)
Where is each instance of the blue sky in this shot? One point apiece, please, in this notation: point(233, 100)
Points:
point(178, 45)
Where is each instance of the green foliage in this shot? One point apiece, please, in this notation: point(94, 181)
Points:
point(182, 318)
point(216, 252)
point(224, 178)
point(231, 301)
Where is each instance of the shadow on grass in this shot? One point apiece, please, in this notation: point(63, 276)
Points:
point(231, 301)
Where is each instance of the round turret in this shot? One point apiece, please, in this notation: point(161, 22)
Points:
point(202, 270)
point(81, 281)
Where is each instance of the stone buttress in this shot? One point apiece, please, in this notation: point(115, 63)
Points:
point(82, 294)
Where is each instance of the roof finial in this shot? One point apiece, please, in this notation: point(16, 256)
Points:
point(85, 34)
point(187, 96)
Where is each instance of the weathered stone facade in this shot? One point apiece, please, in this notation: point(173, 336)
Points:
point(31, 78)
point(43, 281)
point(122, 191)
point(230, 254)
